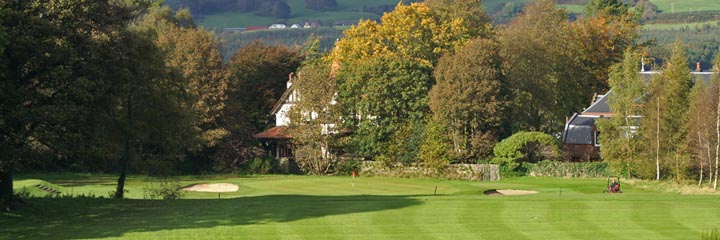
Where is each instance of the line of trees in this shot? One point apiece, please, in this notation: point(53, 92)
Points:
point(435, 83)
point(126, 86)
point(666, 128)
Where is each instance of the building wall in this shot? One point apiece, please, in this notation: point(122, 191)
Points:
point(581, 152)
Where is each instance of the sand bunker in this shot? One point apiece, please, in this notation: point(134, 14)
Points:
point(509, 192)
point(212, 187)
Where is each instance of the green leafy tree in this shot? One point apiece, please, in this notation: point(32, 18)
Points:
point(382, 96)
point(51, 77)
point(619, 134)
point(315, 119)
point(546, 81)
point(384, 73)
point(701, 128)
point(666, 114)
point(612, 7)
point(280, 9)
point(469, 99)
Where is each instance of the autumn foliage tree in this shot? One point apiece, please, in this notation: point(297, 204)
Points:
point(469, 99)
point(385, 72)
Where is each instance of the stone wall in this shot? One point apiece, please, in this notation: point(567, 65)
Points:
point(470, 172)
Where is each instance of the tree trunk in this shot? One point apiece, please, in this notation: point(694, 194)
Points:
point(120, 191)
point(702, 163)
point(717, 146)
point(6, 184)
point(657, 144)
point(709, 162)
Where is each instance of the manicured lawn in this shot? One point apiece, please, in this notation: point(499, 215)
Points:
point(302, 207)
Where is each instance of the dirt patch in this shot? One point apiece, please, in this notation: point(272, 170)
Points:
point(212, 187)
point(510, 192)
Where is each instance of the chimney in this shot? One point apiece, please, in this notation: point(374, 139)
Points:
point(642, 66)
point(698, 69)
point(290, 79)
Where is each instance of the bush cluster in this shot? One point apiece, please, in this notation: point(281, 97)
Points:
point(567, 169)
point(522, 147)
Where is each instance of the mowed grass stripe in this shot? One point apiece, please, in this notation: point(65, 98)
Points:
point(304, 207)
point(655, 219)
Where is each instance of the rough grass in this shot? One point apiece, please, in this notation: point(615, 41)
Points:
point(302, 207)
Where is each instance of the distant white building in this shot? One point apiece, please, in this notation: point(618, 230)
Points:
point(278, 26)
point(296, 26)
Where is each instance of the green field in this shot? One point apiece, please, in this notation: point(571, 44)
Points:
point(347, 11)
point(667, 6)
point(302, 207)
point(679, 25)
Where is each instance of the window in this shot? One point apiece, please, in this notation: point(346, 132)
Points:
point(597, 138)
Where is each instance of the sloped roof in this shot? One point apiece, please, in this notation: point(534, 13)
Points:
point(579, 130)
point(280, 132)
point(600, 106)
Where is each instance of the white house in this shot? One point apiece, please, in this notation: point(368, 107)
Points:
point(278, 26)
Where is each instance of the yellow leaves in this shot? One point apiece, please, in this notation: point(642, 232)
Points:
point(410, 32)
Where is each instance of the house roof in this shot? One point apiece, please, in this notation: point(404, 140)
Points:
point(280, 132)
point(283, 99)
point(600, 106)
point(579, 129)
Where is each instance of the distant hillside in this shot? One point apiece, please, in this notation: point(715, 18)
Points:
point(672, 18)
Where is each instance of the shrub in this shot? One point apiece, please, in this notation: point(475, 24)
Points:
point(265, 165)
point(521, 147)
point(567, 169)
point(165, 190)
point(348, 166)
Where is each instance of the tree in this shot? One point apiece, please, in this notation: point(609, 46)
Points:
point(601, 37)
point(322, 5)
point(469, 99)
point(470, 14)
point(612, 7)
point(384, 75)
point(315, 119)
point(700, 127)
point(666, 111)
point(51, 74)
point(716, 66)
point(547, 82)
point(258, 77)
point(411, 32)
point(280, 9)
point(619, 136)
point(573, 56)
point(381, 96)
point(195, 54)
